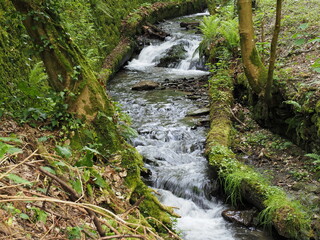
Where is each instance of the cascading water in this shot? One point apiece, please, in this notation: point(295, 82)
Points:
point(172, 147)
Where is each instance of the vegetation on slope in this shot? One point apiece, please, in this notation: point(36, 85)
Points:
point(290, 218)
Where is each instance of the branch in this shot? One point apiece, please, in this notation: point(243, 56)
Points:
point(123, 236)
point(74, 197)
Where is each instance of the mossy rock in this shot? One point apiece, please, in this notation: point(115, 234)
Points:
point(173, 56)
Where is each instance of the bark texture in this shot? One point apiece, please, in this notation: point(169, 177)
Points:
point(69, 71)
point(254, 69)
point(273, 51)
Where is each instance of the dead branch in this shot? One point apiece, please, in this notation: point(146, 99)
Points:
point(17, 165)
point(123, 236)
point(134, 206)
point(73, 197)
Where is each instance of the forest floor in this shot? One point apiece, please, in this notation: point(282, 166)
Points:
point(82, 203)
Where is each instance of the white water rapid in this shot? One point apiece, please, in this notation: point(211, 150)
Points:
point(171, 142)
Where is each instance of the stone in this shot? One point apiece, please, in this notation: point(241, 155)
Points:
point(298, 186)
point(190, 25)
point(199, 112)
point(241, 217)
point(145, 85)
point(173, 57)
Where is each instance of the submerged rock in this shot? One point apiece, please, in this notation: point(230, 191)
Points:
point(242, 217)
point(199, 112)
point(145, 85)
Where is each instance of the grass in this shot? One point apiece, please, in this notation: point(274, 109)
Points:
point(293, 218)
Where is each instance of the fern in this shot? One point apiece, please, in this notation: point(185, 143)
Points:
point(215, 28)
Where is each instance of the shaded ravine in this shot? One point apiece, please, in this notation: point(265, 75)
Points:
point(171, 142)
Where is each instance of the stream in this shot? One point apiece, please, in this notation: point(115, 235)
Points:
point(172, 143)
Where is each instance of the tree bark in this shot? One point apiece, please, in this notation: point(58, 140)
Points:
point(273, 52)
point(68, 69)
point(254, 69)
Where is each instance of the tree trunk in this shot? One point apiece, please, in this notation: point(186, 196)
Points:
point(273, 51)
point(254, 69)
point(68, 70)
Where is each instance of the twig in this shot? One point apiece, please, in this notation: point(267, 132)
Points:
point(109, 226)
point(135, 205)
point(47, 232)
point(237, 119)
point(17, 165)
point(47, 193)
point(14, 186)
point(169, 231)
point(123, 236)
point(75, 198)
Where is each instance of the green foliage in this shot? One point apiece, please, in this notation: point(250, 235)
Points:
point(316, 65)
point(10, 149)
point(39, 215)
point(74, 232)
point(18, 180)
point(220, 30)
point(278, 205)
point(64, 151)
point(124, 122)
point(316, 160)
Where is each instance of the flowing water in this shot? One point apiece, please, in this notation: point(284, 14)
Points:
point(169, 141)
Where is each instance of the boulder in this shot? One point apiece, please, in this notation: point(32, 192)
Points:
point(145, 85)
point(173, 57)
point(241, 217)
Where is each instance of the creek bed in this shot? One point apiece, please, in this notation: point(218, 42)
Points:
point(172, 142)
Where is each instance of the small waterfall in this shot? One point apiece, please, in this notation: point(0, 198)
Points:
point(150, 55)
point(190, 62)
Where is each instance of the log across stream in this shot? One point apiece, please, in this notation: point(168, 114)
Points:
point(170, 139)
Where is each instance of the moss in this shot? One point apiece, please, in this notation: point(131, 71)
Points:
point(150, 206)
point(241, 182)
point(263, 72)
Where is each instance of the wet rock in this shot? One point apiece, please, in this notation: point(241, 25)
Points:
point(190, 25)
point(173, 57)
point(199, 112)
point(146, 173)
point(145, 85)
point(204, 122)
point(242, 217)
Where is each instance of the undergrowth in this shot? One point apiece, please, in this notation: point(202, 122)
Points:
point(278, 206)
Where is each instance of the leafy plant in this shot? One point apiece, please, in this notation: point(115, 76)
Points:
point(298, 221)
point(316, 159)
point(74, 232)
point(6, 148)
point(217, 30)
point(316, 64)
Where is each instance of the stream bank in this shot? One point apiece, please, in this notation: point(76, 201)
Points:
point(251, 173)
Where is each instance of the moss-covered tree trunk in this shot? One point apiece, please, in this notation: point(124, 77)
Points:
point(255, 70)
point(68, 70)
